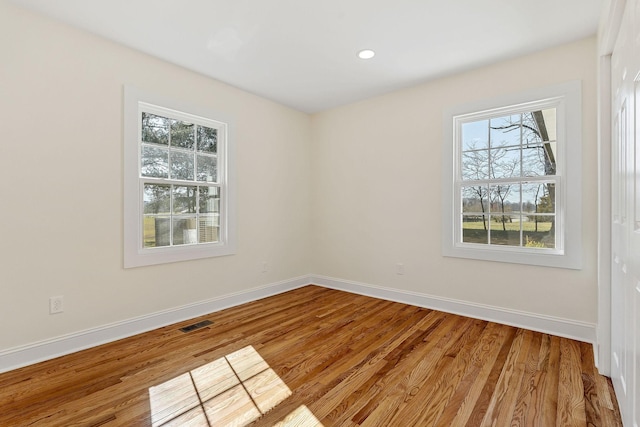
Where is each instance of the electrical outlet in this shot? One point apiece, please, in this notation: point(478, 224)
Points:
point(56, 304)
point(265, 266)
point(400, 269)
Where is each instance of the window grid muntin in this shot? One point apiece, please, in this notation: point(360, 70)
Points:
point(493, 147)
point(171, 150)
point(198, 121)
point(197, 215)
point(460, 181)
point(219, 183)
point(489, 213)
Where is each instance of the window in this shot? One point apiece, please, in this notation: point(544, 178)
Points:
point(178, 187)
point(512, 184)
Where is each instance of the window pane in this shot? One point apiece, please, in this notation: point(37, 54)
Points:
point(207, 139)
point(209, 200)
point(155, 162)
point(510, 216)
point(550, 154)
point(540, 125)
point(156, 231)
point(155, 129)
point(505, 199)
point(475, 199)
point(209, 228)
point(539, 231)
point(505, 131)
point(475, 135)
point(533, 197)
point(505, 214)
point(184, 199)
point(157, 199)
point(181, 165)
point(539, 133)
point(531, 131)
point(475, 229)
point(505, 230)
point(534, 160)
point(207, 168)
point(547, 201)
point(182, 134)
point(475, 165)
point(184, 231)
point(505, 162)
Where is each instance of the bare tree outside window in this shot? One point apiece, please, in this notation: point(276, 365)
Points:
point(506, 199)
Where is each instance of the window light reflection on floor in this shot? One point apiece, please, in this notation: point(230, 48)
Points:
point(233, 390)
point(301, 417)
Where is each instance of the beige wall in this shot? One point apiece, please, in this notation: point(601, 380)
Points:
point(347, 193)
point(61, 97)
point(376, 171)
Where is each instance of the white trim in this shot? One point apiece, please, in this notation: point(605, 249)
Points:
point(603, 354)
point(610, 22)
point(134, 254)
point(581, 331)
point(569, 136)
point(29, 354)
point(609, 25)
point(18, 357)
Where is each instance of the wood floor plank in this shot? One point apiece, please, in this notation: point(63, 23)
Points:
point(488, 348)
point(441, 385)
point(547, 411)
point(489, 389)
point(592, 402)
point(396, 371)
point(356, 406)
point(534, 397)
point(571, 406)
point(420, 368)
point(529, 385)
point(503, 400)
point(318, 357)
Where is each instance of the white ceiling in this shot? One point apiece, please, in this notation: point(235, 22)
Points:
point(303, 54)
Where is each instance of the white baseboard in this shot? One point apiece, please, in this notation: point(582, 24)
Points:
point(18, 357)
point(581, 331)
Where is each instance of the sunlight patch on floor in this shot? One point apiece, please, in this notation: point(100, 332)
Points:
point(301, 417)
point(233, 390)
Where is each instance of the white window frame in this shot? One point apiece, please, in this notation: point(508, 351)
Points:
point(135, 255)
point(567, 100)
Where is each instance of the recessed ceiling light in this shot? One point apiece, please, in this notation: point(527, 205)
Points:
point(366, 54)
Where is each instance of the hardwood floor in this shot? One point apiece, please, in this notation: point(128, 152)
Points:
point(316, 356)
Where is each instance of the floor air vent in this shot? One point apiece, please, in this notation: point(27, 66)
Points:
point(196, 326)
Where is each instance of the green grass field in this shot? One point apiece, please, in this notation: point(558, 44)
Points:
point(510, 226)
point(474, 232)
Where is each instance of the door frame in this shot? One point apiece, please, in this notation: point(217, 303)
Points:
point(607, 34)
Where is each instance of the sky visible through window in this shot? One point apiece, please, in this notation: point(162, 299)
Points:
point(506, 198)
